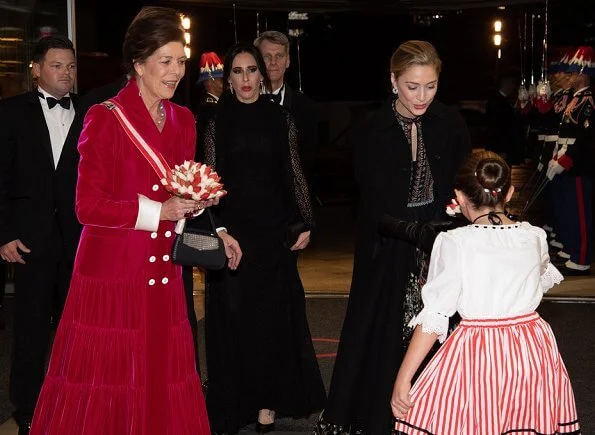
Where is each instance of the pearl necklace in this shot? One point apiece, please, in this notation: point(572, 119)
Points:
point(161, 115)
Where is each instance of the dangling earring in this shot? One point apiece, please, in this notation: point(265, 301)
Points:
point(230, 88)
point(263, 89)
point(395, 91)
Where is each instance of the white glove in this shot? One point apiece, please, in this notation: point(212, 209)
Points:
point(553, 168)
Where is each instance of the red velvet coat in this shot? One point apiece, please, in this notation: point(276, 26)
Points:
point(123, 360)
point(112, 173)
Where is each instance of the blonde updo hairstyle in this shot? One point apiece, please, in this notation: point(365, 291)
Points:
point(412, 53)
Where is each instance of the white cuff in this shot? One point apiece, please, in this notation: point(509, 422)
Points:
point(432, 323)
point(149, 212)
point(220, 229)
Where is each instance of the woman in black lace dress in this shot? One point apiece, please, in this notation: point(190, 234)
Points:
point(260, 357)
point(405, 160)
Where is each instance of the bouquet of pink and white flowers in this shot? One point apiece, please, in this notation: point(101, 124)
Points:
point(194, 180)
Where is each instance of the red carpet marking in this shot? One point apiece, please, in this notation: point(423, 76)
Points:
point(326, 340)
point(325, 355)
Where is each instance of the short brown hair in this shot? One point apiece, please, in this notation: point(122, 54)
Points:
point(152, 28)
point(412, 53)
point(484, 177)
point(46, 43)
point(273, 37)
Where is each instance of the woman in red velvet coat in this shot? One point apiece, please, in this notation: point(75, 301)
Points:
point(123, 359)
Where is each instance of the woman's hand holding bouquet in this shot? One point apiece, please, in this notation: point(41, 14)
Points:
point(194, 180)
point(194, 186)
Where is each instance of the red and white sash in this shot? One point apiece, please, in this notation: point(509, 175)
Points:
point(154, 157)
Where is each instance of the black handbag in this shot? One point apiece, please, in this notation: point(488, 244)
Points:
point(293, 231)
point(199, 247)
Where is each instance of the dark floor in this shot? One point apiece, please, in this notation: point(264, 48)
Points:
point(573, 324)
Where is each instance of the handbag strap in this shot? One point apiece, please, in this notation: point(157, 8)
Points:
point(211, 220)
point(154, 157)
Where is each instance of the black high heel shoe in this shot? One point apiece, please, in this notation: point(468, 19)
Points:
point(264, 428)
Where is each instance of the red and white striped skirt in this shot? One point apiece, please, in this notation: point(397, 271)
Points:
point(494, 377)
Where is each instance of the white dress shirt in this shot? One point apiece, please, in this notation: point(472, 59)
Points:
point(281, 91)
point(215, 97)
point(58, 121)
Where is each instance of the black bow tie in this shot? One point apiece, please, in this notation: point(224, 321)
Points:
point(64, 101)
point(276, 98)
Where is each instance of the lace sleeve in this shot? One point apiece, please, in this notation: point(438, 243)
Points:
point(550, 277)
point(208, 141)
point(300, 187)
point(432, 323)
point(441, 292)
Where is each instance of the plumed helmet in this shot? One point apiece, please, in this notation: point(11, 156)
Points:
point(211, 67)
point(579, 60)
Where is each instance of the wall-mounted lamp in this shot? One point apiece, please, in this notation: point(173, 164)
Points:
point(186, 25)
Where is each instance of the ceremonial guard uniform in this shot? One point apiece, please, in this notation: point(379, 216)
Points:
point(549, 124)
point(571, 166)
point(207, 107)
point(211, 79)
point(207, 104)
point(548, 136)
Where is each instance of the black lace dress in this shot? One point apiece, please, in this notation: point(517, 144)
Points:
point(258, 343)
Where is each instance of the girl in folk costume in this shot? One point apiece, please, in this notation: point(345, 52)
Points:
point(500, 371)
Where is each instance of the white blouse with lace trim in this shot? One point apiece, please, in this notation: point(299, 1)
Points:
point(485, 272)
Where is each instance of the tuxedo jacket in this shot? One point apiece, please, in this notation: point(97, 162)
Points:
point(303, 110)
point(34, 194)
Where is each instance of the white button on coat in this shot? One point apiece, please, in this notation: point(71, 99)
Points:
point(153, 235)
point(155, 187)
point(168, 234)
point(152, 259)
point(166, 258)
point(151, 281)
point(164, 281)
